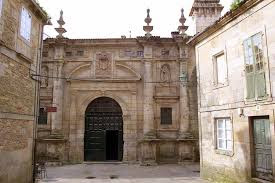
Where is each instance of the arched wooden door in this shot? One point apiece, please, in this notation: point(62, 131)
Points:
point(103, 138)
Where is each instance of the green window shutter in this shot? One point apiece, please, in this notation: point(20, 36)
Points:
point(260, 84)
point(249, 69)
point(250, 86)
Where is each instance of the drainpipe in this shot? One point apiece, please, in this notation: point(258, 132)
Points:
point(37, 98)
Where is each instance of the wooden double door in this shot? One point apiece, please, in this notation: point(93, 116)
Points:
point(103, 138)
point(262, 148)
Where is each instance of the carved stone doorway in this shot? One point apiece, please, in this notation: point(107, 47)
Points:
point(103, 137)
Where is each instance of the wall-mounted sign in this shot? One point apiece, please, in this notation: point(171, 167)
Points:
point(51, 109)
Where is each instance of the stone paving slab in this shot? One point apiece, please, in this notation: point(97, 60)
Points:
point(123, 173)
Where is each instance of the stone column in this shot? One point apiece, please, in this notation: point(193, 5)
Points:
point(184, 131)
point(148, 101)
point(58, 87)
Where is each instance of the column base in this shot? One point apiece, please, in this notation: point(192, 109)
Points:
point(188, 151)
point(148, 153)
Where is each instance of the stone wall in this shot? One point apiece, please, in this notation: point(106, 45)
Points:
point(18, 58)
point(225, 101)
point(142, 76)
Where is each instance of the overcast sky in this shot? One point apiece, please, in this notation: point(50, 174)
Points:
point(113, 18)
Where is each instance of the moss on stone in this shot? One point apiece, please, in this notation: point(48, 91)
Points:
point(223, 175)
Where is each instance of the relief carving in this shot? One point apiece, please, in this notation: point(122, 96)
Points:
point(103, 65)
point(44, 78)
point(165, 74)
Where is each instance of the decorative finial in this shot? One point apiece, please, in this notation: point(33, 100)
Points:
point(182, 28)
point(182, 18)
point(60, 29)
point(61, 21)
point(148, 29)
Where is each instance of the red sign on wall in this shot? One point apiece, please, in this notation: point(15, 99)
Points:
point(51, 109)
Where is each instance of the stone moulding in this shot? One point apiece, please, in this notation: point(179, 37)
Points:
point(135, 76)
point(167, 140)
point(52, 140)
point(78, 68)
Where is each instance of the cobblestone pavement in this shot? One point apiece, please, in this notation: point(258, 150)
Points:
point(123, 173)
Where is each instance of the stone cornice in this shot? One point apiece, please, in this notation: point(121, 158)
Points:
point(109, 41)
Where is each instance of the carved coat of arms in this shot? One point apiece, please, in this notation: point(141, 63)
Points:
point(103, 65)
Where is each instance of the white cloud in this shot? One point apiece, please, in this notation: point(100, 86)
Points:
point(113, 18)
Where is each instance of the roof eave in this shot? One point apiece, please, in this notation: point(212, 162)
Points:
point(41, 12)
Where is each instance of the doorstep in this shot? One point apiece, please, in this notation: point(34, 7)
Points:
point(257, 180)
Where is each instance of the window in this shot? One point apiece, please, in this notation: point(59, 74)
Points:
point(166, 116)
point(26, 21)
point(1, 5)
point(43, 116)
point(224, 134)
point(254, 67)
point(220, 69)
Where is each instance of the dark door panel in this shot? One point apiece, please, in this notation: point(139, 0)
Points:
point(103, 138)
point(262, 149)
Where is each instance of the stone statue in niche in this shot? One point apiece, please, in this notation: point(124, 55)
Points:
point(165, 73)
point(44, 77)
point(103, 65)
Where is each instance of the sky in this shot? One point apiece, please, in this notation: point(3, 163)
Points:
point(114, 18)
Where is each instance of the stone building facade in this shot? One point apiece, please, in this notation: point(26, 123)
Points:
point(121, 94)
point(21, 25)
point(235, 71)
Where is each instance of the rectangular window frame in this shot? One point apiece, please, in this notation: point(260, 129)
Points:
point(166, 118)
point(1, 7)
point(265, 69)
point(215, 70)
point(222, 151)
point(23, 32)
point(225, 131)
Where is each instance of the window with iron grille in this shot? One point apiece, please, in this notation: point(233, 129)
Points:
point(166, 116)
point(43, 116)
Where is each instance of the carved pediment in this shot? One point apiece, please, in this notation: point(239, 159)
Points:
point(121, 72)
point(81, 72)
point(125, 72)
